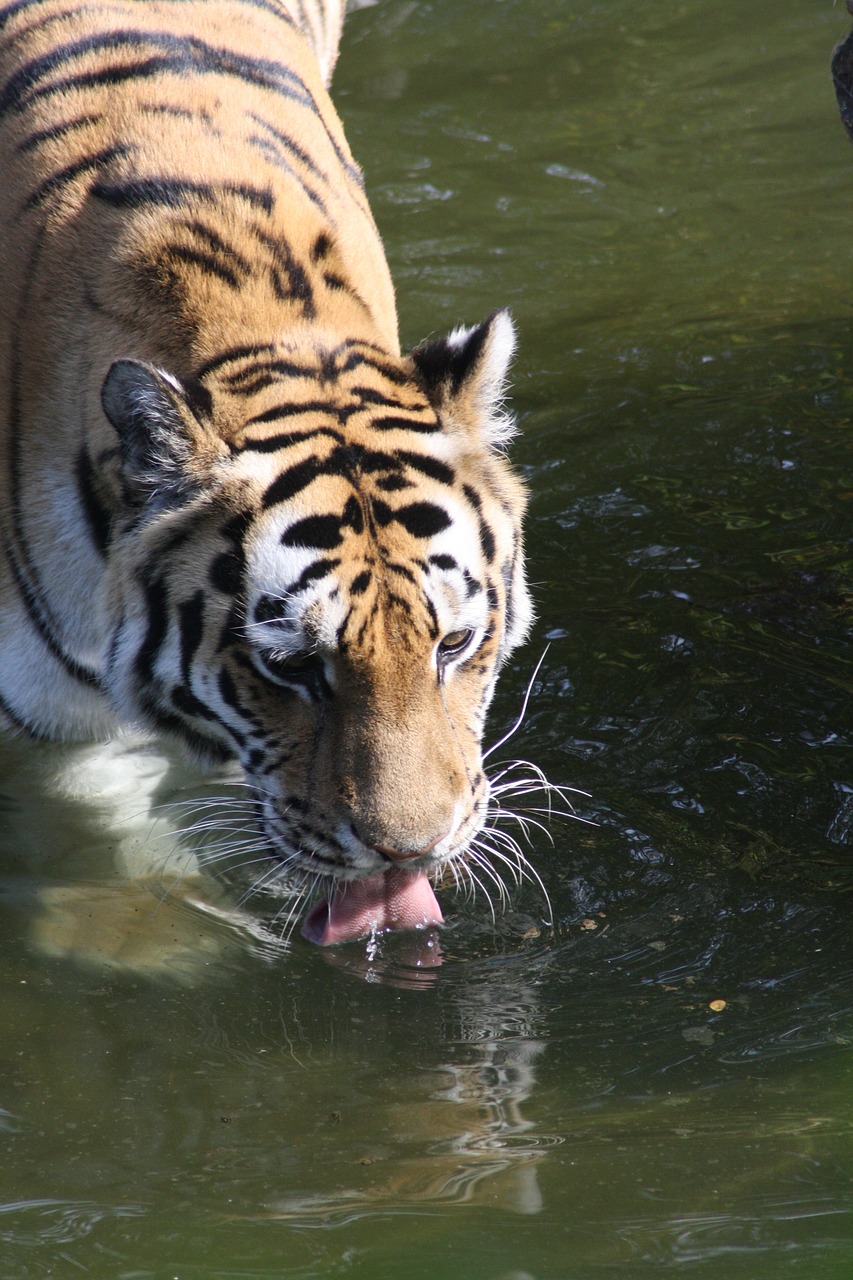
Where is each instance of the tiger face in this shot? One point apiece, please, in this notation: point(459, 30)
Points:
point(365, 585)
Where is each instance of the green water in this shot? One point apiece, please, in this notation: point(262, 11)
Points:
point(662, 193)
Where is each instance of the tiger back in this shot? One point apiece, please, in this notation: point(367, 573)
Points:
point(232, 511)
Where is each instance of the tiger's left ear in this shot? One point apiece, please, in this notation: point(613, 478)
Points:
point(165, 447)
point(465, 376)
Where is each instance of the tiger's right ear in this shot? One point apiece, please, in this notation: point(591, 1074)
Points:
point(165, 446)
point(465, 376)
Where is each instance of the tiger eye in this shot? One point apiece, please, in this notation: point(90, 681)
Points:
point(454, 642)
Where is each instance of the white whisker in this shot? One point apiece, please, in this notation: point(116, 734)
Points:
point(476, 881)
point(520, 720)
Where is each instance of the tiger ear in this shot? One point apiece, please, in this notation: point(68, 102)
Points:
point(165, 448)
point(465, 375)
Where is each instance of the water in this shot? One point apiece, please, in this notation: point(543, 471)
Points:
point(662, 195)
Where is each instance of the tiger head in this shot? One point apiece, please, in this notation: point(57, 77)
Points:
point(320, 572)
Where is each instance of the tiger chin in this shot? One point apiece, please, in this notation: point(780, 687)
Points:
point(233, 512)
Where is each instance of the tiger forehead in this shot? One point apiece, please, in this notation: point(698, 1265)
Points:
point(273, 400)
point(377, 449)
point(333, 565)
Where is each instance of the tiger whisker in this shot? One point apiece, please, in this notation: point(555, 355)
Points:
point(477, 853)
point(258, 885)
point(528, 871)
point(523, 821)
point(511, 864)
point(475, 880)
point(523, 712)
point(301, 895)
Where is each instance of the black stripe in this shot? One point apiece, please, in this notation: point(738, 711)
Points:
point(340, 635)
point(292, 481)
point(291, 410)
point(487, 541)
point(339, 285)
point(390, 423)
point(270, 609)
point(167, 722)
point(473, 496)
point(185, 701)
point(247, 381)
point(289, 144)
point(226, 571)
point(166, 109)
point(215, 242)
point(283, 142)
point(322, 532)
point(370, 395)
point(65, 176)
point(98, 517)
point(176, 193)
point(353, 516)
point(272, 444)
point(42, 624)
point(191, 630)
point(434, 628)
point(402, 571)
point(11, 11)
point(487, 537)
point(329, 370)
point(156, 599)
point(285, 264)
point(317, 569)
point(206, 262)
point(344, 460)
point(58, 131)
point(227, 357)
point(303, 156)
point(182, 55)
point(231, 697)
point(404, 604)
point(428, 466)
point(472, 586)
point(354, 458)
point(393, 484)
point(357, 359)
point(420, 519)
point(442, 561)
point(269, 151)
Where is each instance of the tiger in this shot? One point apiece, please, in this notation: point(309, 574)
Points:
point(234, 513)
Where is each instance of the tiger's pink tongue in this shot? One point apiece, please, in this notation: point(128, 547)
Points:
point(393, 900)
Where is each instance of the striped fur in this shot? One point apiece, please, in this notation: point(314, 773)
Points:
point(232, 511)
point(322, 21)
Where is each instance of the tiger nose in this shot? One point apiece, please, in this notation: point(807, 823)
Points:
point(406, 855)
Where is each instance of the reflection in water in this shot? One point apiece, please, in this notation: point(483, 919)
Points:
point(105, 883)
point(105, 876)
point(473, 1142)
point(34, 1223)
